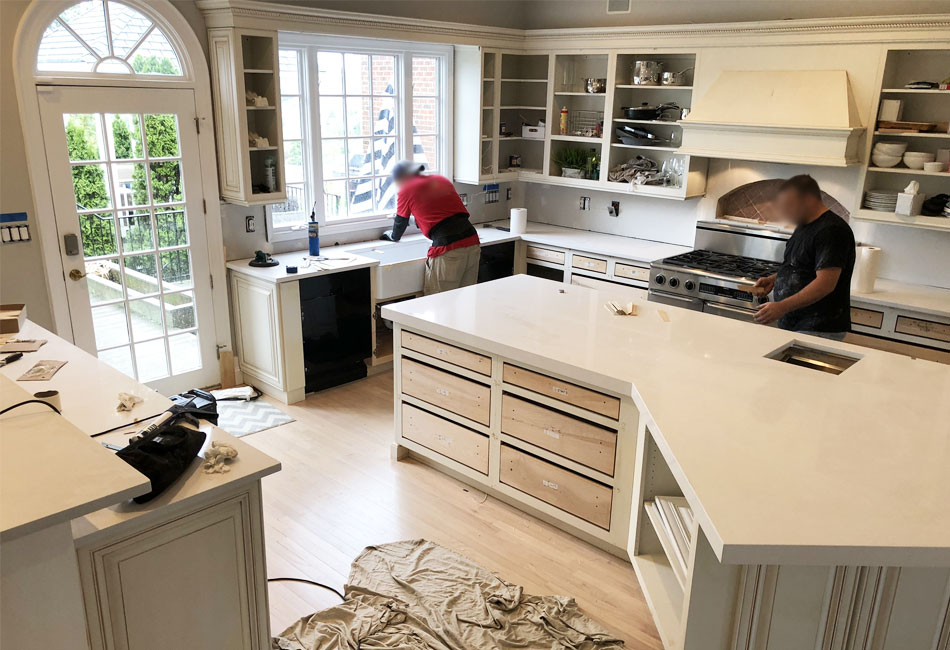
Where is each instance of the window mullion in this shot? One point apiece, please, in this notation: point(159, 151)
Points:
point(316, 143)
point(406, 84)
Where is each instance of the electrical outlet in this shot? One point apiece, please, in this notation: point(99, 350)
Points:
point(584, 203)
point(464, 198)
point(249, 225)
point(507, 193)
point(614, 209)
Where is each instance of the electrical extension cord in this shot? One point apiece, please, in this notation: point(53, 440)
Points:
point(308, 582)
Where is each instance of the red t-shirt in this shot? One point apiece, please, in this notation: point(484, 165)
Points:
point(430, 199)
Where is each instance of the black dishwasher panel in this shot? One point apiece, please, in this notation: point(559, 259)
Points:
point(497, 261)
point(336, 317)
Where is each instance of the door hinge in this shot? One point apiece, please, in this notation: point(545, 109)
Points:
point(211, 276)
point(204, 206)
point(198, 124)
point(217, 350)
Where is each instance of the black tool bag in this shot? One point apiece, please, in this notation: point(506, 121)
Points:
point(163, 456)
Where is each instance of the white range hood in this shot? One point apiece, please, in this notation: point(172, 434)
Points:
point(786, 116)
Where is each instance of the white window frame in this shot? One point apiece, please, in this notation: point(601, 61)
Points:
point(309, 45)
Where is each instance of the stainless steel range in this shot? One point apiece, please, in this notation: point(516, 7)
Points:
point(717, 276)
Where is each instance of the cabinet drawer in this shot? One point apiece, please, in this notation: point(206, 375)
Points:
point(561, 488)
point(867, 317)
point(561, 434)
point(618, 288)
point(476, 362)
point(457, 394)
point(544, 254)
point(589, 263)
point(632, 272)
point(926, 329)
point(563, 391)
point(445, 437)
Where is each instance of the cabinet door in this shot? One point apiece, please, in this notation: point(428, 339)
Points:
point(196, 582)
point(257, 328)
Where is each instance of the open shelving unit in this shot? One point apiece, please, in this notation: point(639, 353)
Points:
point(585, 113)
point(918, 105)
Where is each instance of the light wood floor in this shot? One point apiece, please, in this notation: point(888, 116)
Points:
point(339, 491)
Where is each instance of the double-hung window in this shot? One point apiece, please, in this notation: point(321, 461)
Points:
point(351, 109)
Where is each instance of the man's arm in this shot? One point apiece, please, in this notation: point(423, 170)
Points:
point(824, 283)
point(399, 227)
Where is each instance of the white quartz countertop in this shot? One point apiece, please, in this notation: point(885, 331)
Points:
point(337, 261)
point(781, 464)
point(888, 293)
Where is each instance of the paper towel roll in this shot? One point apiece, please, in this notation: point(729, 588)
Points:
point(519, 221)
point(866, 262)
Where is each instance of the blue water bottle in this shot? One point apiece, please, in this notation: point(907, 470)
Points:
point(313, 232)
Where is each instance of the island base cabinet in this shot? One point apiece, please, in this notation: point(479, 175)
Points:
point(198, 581)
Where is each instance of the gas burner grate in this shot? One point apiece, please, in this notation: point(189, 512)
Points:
point(723, 264)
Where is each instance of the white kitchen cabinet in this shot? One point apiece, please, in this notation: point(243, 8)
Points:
point(242, 61)
point(476, 120)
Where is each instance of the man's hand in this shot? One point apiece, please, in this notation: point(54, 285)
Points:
point(387, 236)
point(764, 284)
point(770, 312)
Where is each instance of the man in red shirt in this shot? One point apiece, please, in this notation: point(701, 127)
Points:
point(437, 208)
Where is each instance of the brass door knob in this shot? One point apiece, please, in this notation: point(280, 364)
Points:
point(76, 274)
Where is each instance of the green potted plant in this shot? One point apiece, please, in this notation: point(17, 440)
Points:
point(571, 160)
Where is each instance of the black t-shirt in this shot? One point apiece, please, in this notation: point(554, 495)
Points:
point(826, 242)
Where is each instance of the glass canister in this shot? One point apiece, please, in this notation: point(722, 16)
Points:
point(646, 73)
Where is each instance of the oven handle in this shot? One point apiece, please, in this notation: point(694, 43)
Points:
point(694, 304)
point(742, 314)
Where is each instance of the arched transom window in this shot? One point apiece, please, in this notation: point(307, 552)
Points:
point(109, 38)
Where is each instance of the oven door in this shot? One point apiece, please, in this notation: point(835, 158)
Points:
point(736, 313)
point(685, 302)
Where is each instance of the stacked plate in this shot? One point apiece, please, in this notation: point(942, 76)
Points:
point(880, 200)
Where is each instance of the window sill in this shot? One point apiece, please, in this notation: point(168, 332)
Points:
point(351, 232)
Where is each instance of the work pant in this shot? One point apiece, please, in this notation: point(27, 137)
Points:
point(453, 269)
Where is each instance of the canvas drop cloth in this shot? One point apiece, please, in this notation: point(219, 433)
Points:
point(420, 596)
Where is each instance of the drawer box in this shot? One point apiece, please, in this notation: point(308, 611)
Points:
point(589, 264)
point(447, 438)
point(557, 486)
point(460, 357)
point(632, 272)
point(867, 317)
point(544, 254)
point(926, 329)
point(456, 394)
point(563, 391)
point(559, 433)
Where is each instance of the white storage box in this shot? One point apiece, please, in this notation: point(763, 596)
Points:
point(532, 132)
point(909, 204)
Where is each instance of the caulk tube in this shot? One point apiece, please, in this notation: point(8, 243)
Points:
point(313, 232)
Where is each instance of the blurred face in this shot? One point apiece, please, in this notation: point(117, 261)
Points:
point(794, 207)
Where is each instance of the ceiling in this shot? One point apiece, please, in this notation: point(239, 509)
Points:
point(544, 14)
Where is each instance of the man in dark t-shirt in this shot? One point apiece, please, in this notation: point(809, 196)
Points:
point(813, 285)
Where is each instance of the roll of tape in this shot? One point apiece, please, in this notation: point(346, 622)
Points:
point(51, 397)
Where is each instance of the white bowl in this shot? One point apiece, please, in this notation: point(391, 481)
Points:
point(917, 159)
point(935, 167)
point(891, 148)
point(884, 160)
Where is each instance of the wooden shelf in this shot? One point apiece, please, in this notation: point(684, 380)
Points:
point(911, 134)
point(639, 87)
point(577, 138)
point(663, 594)
point(646, 147)
point(261, 108)
point(911, 172)
point(272, 148)
point(570, 93)
point(666, 542)
point(654, 122)
point(929, 223)
point(522, 108)
point(525, 81)
point(916, 91)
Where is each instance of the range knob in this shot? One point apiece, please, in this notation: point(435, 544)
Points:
point(660, 278)
point(674, 282)
point(689, 285)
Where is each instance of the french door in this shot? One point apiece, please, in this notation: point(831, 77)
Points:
point(125, 176)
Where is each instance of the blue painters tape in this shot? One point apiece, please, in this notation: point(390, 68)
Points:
point(10, 217)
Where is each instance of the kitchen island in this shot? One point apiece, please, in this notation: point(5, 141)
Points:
point(817, 502)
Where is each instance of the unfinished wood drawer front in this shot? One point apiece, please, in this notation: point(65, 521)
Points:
point(589, 264)
point(561, 434)
point(867, 317)
point(926, 329)
point(561, 488)
point(632, 272)
point(563, 391)
point(447, 438)
point(544, 254)
point(475, 362)
point(463, 396)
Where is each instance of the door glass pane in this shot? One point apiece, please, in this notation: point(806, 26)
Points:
point(128, 27)
point(104, 281)
point(176, 269)
point(151, 361)
point(130, 185)
point(172, 227)
point(155, 56)
point(98, 234)
point(88, 21)
point(125, 136)
point(146, 318)
point(59, 50)
point(119, 358)
point(110, 325)
point(141, 275)
point(90, 187)
point(83, 137)
point(180, 311)
point(161, 136)
point(384, 75)
point(166, 181)
point(136, 231)
point(184, 352)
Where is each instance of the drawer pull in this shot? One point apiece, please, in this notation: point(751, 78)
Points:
point(549, 484)
point(444, 392)
point(444, 439)
point(441, 351)
point(559, 390)
point(553, 433)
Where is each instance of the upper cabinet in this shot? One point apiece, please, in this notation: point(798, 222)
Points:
point(914, 121)
point(575, 119)
point(246, 89)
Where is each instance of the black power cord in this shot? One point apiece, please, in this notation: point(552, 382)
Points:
point(308, 582)
point(30, 401)
point(126, 425)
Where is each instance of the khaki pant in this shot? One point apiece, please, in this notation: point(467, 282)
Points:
point(451, 270)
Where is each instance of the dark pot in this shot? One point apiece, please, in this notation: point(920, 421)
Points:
point(646, 112)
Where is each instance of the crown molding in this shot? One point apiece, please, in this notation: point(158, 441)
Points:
point(919, 28)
